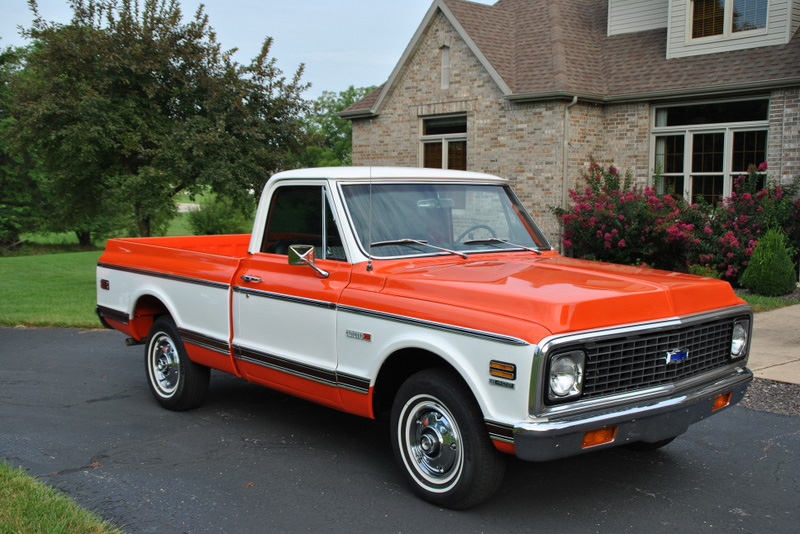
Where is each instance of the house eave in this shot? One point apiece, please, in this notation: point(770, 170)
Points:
point(730, 89)
point(358, 114)
point(665, 94)
point(556, 95)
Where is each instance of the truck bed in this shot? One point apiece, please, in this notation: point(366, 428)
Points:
point(213, 258)
point(234, 245)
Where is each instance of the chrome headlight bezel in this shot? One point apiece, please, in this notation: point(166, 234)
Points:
point(565, 373)
point(740, 338)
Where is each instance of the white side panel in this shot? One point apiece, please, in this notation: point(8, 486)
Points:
point(469, 355)
point(294, 331)
point(628, 16)
point(196, 307)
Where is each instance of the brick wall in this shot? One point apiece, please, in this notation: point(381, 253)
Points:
point(783, 150)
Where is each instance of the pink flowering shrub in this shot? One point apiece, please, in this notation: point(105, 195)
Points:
point(614, 220)
point(732, 229)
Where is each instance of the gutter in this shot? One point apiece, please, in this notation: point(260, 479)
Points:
point(564, 169)
point(667, 94)
point(357, 114)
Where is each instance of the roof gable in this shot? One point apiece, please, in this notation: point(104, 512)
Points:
point(488, 24)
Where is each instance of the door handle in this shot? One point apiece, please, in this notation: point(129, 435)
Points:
point(249, 278)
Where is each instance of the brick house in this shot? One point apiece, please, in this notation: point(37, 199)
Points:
point(533, 89)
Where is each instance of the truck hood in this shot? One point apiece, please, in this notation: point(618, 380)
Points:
point(561, 294)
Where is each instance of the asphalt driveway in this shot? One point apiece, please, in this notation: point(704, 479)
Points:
point(75, 411)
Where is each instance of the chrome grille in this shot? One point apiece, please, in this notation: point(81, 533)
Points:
point(627, 363)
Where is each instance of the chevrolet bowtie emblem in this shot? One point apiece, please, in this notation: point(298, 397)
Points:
point(676, 356)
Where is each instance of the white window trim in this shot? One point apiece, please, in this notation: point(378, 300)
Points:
point(727, 26)
point(728, 128)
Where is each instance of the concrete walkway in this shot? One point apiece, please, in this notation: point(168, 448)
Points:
point(775, 353)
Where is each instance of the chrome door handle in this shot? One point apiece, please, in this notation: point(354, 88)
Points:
point(249, 278)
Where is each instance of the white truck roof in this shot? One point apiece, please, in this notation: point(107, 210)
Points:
point(384, 173)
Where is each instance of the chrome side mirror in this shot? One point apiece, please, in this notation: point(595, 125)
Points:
point(304, 255)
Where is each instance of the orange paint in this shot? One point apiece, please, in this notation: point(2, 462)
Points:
point(504, 446)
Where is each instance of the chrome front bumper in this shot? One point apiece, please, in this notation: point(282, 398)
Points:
point(649, 421)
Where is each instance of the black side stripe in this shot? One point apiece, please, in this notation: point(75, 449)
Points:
point(499, 338)
point(500, 432)
point(355, 383)
point(206, 342)
point(114, 315)
point(323, 376)
point(284, 298)
point(173, 277)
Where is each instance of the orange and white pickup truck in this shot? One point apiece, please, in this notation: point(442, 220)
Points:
point(431, 296)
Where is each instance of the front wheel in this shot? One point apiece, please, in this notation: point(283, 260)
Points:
point(177, 383)
point(441, 443)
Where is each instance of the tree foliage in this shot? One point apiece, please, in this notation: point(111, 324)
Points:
point(329, 137)
point(127, 105)
point(18, 189)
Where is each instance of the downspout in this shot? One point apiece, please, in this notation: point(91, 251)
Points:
point(564, 169)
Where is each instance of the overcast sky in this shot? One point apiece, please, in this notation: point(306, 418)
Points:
point(341, 42)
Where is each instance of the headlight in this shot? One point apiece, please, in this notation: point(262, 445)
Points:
point(739, 339)
point(566, 376)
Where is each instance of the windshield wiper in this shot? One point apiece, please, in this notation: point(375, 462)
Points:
point(504, 241)
point(416, 242)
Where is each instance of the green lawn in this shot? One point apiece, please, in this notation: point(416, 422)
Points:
point(49, 290)
point(49, 282)
point(30, 506)
point(760, 303)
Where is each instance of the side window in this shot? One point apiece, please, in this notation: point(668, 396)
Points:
point(301, 215)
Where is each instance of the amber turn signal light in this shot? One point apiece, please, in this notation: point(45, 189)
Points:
point(599, 437)
point(503, 370)
point(721, 402)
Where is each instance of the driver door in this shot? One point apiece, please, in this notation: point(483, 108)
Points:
point(285, 315)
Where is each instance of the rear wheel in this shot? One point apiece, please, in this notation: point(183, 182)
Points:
point(177, 383)
point(441, 443)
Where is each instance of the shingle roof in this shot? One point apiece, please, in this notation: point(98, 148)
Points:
point(551, 48)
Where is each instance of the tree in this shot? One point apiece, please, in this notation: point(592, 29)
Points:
point(330, 141)
point(126, 106)
point(18, 191)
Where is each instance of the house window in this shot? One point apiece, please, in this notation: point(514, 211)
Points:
point(727, 17)
point(444, 142)
point(749, 15)
point(701, 148)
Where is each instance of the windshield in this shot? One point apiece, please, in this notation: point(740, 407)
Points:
point(424, 219)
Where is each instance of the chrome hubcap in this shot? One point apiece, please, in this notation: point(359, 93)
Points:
point(433, 442)
point(165, 364)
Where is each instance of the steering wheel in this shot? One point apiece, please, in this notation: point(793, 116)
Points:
point(476, 227)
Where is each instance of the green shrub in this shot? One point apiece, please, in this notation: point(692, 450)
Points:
point(704, 270)
point(770, 270)
point(220, 217)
